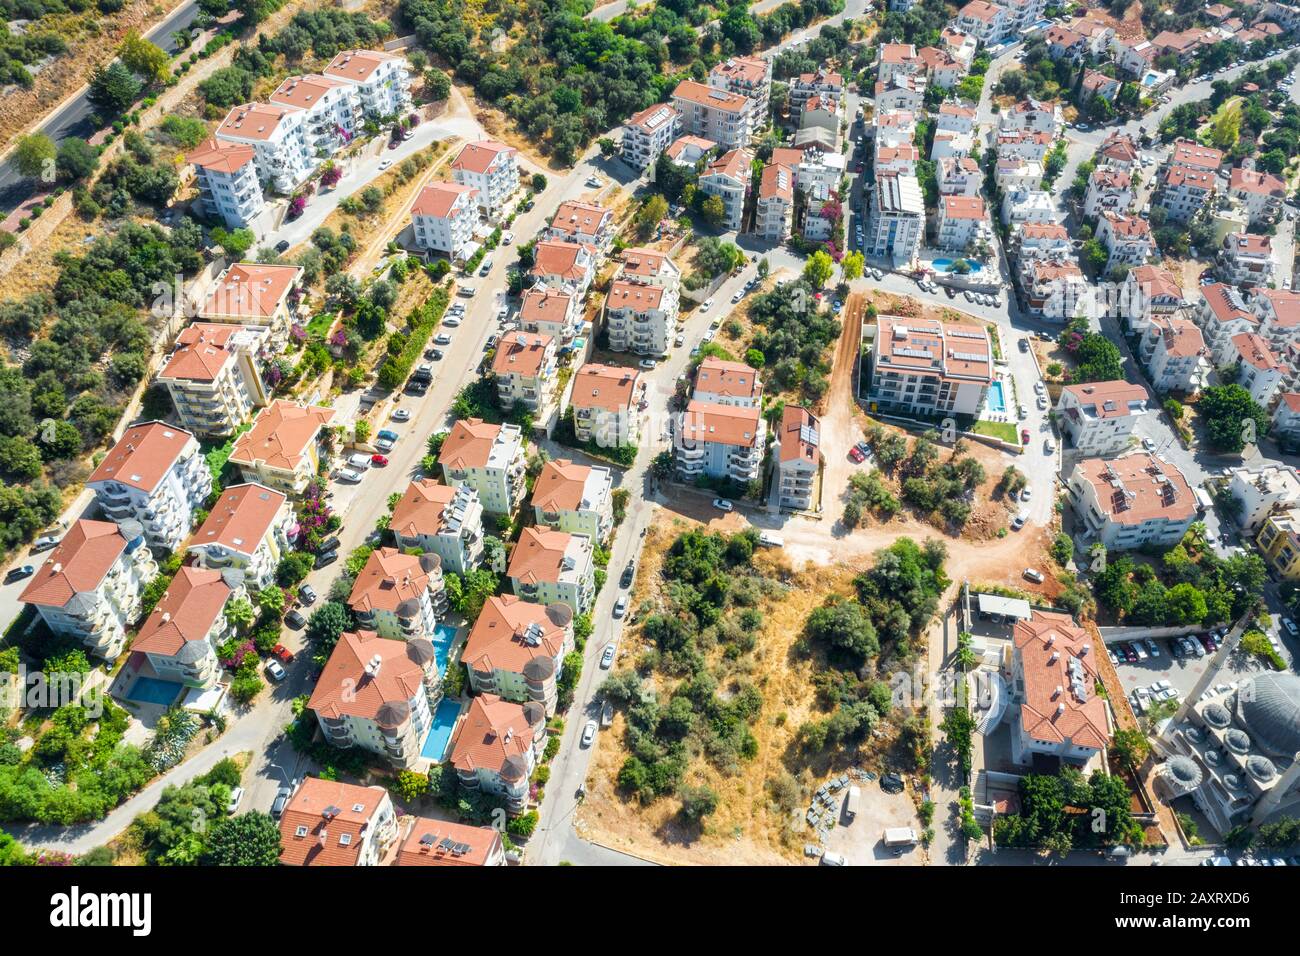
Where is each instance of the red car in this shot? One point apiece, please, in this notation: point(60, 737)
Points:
point(1024, 436)
point(283, 653)
point(378, 460)
point(857, 455)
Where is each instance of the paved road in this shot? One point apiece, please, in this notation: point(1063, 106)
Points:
point(74, 117)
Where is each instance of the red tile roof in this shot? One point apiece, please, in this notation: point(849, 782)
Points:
point(77, 565)
point(143, 455)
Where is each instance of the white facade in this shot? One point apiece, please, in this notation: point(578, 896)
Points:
point(278, 137)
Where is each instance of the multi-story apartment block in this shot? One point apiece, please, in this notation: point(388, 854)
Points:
point(642, 305)
point(897, 59)
point(1109, 190)
point(1279, 543)
point(575, 498)
point(180, 638)
point(154, 475)
point(278, 137)
point(1246, 259)
point(552, 312)
point(942, 69)
point(1028, 205)
point(723, 382)
point(1184, 190)
point(440, 843)
point(443, 520)
point(949, 144)
point(328, 823)
point(1127, 239)
point(650, 132)
point(728, 177)
point(903, 92)
point(213, 377)
point(606, 405)
point(955, 116)
point(443, 218)
point(1028, 145)
point(489, 459)
point(1042, 240)
point(962, 222)
point(896, 223)
point(496, 747)
point(896, 160)
point(567, 266)
point(1054, 288)
point(920, 366)
point(1133, 55)
point(1278, 311)
point(333, 108)
point(1097, 84)
point(1269, 489)
point(1133, 501)
point(378, 694)
point(1261, 193)
point(807, 85)
point(1055, 710)
point(962, 46)
point(399, 595)
point(90, 587)
point(493, 169)
point(798, 458)
point(727, 119)
point(1065, 44)
point(823, 112)
point(1194, 155)
point(1221, 314)
point(516, 649)
point(1098, 419)
point(382, 80)
point(1016, 175)
point(229, 189)
point(1119, 151)
point(282, 449)
point(583, 222)
point(985, 22)
point(249, 293)
point(1032, 116)
point(547, 565)
point(749, 76)
point(959, 176)
point(720, 441)
point(1260, 371)
point(1286, 421)
point(1149, 291)
point(248, 530)
point(1098, 35)
point(525, 369)
point(774, 209)
point(1179, 359)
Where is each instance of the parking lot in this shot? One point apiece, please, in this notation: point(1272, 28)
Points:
point(861, 840)
point(1173, 672)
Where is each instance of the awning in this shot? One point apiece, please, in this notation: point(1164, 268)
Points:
point(1006, 607)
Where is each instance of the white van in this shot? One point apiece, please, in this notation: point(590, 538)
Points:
point(771, 539)
point(359, 461)
point(851, 802)
point(900, 836)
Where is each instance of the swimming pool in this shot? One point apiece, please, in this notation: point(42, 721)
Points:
point(444, 635)
point(151, 690)
point(997, 401)
point(945, 265)
point(444, 721)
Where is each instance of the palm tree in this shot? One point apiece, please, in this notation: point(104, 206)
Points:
point(239, 613)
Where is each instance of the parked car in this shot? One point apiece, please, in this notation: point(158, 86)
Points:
point(706, 305)
point(629, 573)
point(507, 237)
point(452, 322)
point(294, 619)
point(856, 454)
point(1024, 436)
point(236, 798)
point(647, 363)
point(1018, 521)
point(44, 543)
point(722, 504)
point(1032, 575)
point(595, 182)
point(607, 657)
point(1290, 626)
point(1139, 650)
point(1025, 494)
point(384, 444)
point(326, 558)
point(350, 475)
point(17, 574)
point(588, 733)
point(307, 594)
point(282, 246)
point(378, 460)
point(281, 800)
point(275, 671)
point(402, 415)
point(442, 338)
point(282, 654)
point(1152, 648)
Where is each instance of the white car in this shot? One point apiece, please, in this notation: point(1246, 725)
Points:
point(442, 338)
point(401, 415)
point(680, 340)
point(236, 798)
point(502, 314)
point(708, 304)
point(1026, 494)
point(1018, 521)
point(451, 321)
point(607, 657)
point(595, 182)
point(647, 363)
point(1148, 443)
point(507, 238)
point(384, 164)
point(740, 294)
point(1290, 626)
point(722, 504)
point(588, 733)
point(1049, 446)
point(349, 474)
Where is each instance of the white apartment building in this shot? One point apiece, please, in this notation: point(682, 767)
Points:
point(1260, 371)
point(1032, 205)
point(896, 224)
point(1184, 190)
point(723, 382)
point(333, 108)
point(1128, 239)
point(213, 377)
point(1015, 174)
point(1179, 359)
point(496, 747)
point(749, 76)
point(1261, 193)
point(229, 189)
point(919, 366)
point(1054, 287)
point(1262, 491)
point(727, 119)
point(90, 587)
point(942, 69)
point(959, 176)
point(443, 218)
point(378, 693)
point(247, 530)
point(1109, 190)
point(1246, 259)
point(650, 132)
point(443, 520)
point(961, 46)
point(807, 85)
point(180, 638)
point(1221, 314)
point(949, 144)
point(154, 475)
point(1023, 144)
point(567, 266)
point(686, 151)
point(493, 169)
point(1098, 419)
point(583, 222)
point(489, 459)
point(282, 449)
point(1149, 291)
point(903, 92)
point(516, 650)
point(955, 116)
point(720, 441)
point(606, 405)
point(382, 80)
point(897, 59)
point(1032, 116)
point(552, 312)
point(774, 209)
point(250, 293)
point(985, 22)
point(1286, 421)
point(575, 498)
point(1042, 240)
point(398, 595)
point(525, 369)
point(728, 177)
point(963, 223)
point(327, 823)
point(798, 457)
point(278, 137)
point(1278, 311)
point(640, 318)
point(1133, 501)
point(548, 566)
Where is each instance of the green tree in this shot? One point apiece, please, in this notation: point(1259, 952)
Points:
point(236, 242)
point(35, 155)
point(329, 621)
point(144, 58)
point(1232, 418)
point(819, 268)
point(76, 159)
point(240, 613)
point(113, 89)
point(250, 839)
point(851, 266)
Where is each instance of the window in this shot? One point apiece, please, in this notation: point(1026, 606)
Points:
point(301, 831)
point(345, 839)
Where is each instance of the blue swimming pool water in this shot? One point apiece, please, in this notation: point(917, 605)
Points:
point(444, 721)
point(997, 401)
point(945, 265)
point(444, 635)
point(151, 690)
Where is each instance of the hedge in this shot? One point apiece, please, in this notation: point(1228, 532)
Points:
point(394, 369)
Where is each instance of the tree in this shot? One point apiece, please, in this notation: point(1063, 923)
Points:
point(20, 460)
point(538, 182)
point(144, 58)
point(250, 839)
point(698, 802)
point(851, 266)
point(240, 613)
point(271, 601)
point(1232, 418)
point(236, 242)
point(845, 625)
point(113, 89)
point(1225, 127)
point(818, 269)
point(34, 156)
point(649, 215)
point(329, 621)
point(293, 567)
point(437, 85)
point(76, 160)
point(713, 211)
point(1131, 747)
